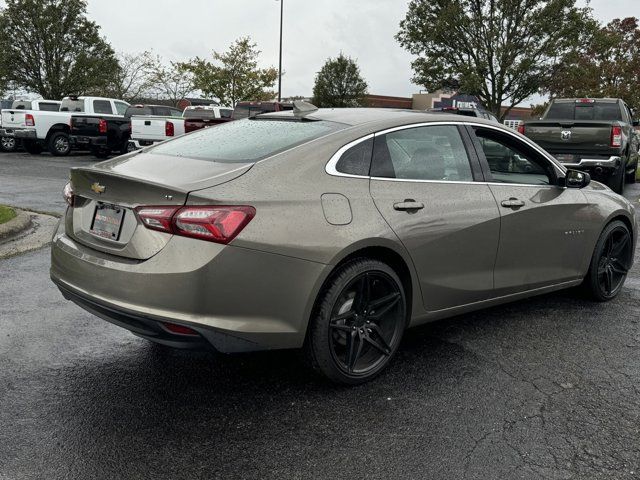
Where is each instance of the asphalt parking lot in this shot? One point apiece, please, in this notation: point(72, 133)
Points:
point(544, 388)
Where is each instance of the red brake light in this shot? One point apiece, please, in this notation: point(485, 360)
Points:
point(616, 137)
point(29, 120)
point(219, 224)
point(179, 329)
point(157, 218)
point(102, 126)
point(585, 100)
point(168, 129)
point(521, 128)
point(216, 224)
point(67, 193)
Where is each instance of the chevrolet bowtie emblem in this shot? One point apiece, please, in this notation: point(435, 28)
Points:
point(96, 187)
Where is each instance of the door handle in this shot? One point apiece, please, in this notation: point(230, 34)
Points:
point(408, 205)
point(512, 203)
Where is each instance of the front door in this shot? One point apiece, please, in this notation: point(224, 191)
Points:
point(422, 184)
point(542, 235)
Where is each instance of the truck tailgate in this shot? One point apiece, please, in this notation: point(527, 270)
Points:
point(13, 119)
point(568, 136)
point(154, 128)
point(85, 126)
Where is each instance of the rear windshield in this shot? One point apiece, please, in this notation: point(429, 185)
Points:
point(245, 140)
point(131, 111)
point(584, 111)
point(200, 113)
point(21, 105)
point(49, 107)
point(69, 105)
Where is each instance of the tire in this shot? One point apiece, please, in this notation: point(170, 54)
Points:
point(124, 148)
point(59, 144)
point(616, 181)
point(32, 147)
point(610, 262)
point(101, 153)
point(8, 144)
point(347, 341)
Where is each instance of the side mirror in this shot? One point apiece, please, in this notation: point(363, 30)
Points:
point(576, 179)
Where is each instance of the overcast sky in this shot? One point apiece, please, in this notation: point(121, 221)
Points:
point(313, 31)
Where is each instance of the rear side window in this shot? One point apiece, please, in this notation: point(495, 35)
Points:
point(102, 106)
point(121, 108)
point(49, 107)
point(175, 112)
point(422, 153)
point(245, 140)
point(226, 112)
point(356, 160)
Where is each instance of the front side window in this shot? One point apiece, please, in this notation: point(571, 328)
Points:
point(102, 106)
point(511, 161)
point(422, 153)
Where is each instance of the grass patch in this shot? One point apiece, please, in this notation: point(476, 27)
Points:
point(6, 214)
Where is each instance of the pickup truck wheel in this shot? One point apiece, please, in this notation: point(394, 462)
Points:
point(616, 181)
point(100, 153)
point(32, 147)
point(7, 144)
point(59, 144)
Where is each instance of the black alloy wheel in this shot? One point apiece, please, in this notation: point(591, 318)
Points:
point(611, 262)
point(7, 144)
point(360, 323)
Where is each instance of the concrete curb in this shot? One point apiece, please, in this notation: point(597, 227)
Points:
point(16, 225)
point(36, 235)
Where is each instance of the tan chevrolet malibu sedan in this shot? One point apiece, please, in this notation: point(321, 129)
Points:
point(332, 231)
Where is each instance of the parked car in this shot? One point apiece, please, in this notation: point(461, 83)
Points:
point(332, 231)
point(594, 135)
point(50, 129)
point(466, 111)
point(17, 113)
point(251, 109)
point(148, 130)
point(196, 118)
point(105, 131)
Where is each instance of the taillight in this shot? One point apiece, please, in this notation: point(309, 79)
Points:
point(179, 329)
point(219, 224)
point(67, 193)
point(157, 218)
point(521, 128)
point(168, 129)
point(616, 137)
point(102, 126)
point(29, 120)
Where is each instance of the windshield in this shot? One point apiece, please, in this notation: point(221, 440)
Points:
point(584, 111)
point(245, 140)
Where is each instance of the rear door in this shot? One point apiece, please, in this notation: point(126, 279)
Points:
point(544, 227)
point(423, 182)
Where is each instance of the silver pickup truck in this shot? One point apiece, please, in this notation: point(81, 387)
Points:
point(595, 135)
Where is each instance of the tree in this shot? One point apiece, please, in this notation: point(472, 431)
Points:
point(135, 76)
point(501, 51)
point(171, 82)
point(50, 47)
point(339, 84)
point(235, 75)
point(607, 66)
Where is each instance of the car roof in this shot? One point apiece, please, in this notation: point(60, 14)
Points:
point(381, 117)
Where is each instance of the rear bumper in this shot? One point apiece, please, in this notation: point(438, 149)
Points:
point(88, 141)
point(237, 299)
point(138, 144)
point(612, 162)
point(23, 133)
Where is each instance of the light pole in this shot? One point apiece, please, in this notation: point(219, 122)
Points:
point(280, 58)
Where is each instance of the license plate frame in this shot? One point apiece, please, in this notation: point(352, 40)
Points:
point(107, 221)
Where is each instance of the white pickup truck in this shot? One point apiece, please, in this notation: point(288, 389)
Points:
point(39, 129)
point(147, 130)
point(9, 143)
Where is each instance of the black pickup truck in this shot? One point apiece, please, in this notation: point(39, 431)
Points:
point(595, 135)
point(107, 130)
